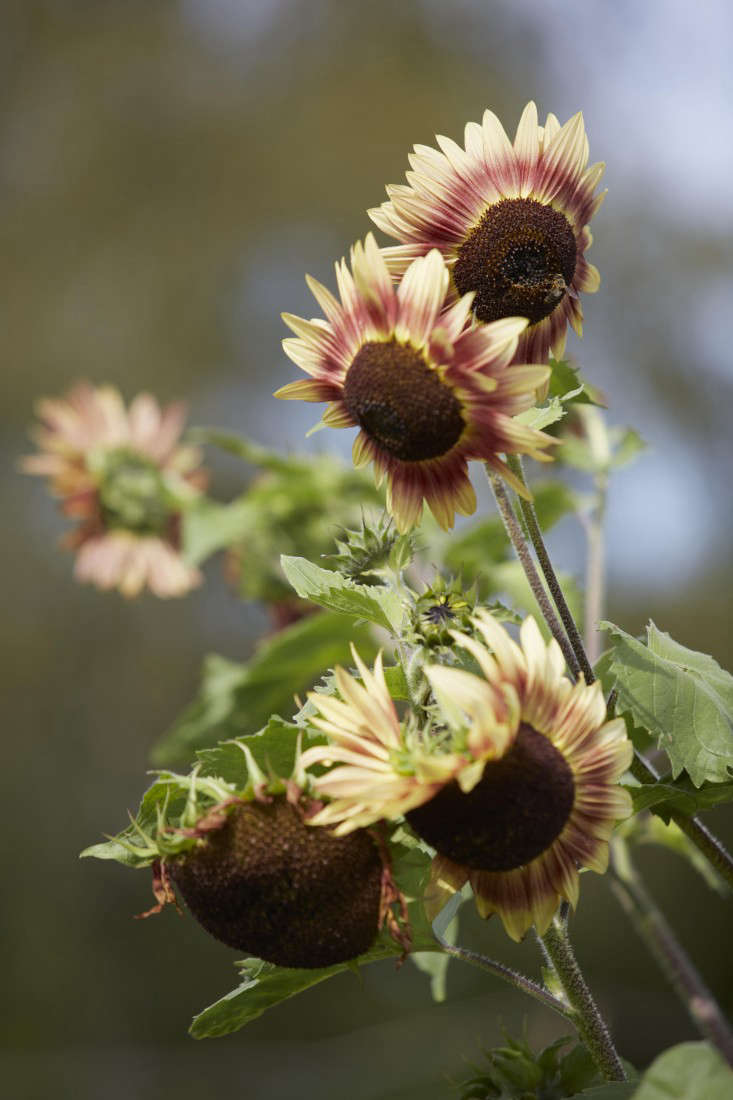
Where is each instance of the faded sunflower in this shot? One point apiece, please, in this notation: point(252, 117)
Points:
point(521, 795)
point(510, 219)
point(428, 388)
point(124, 475)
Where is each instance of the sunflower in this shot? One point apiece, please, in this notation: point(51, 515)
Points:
point(428, 388)
point(519, 795)
point(124, 475)
point(511, 221)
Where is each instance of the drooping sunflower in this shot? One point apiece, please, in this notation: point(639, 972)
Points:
point(428, 388)
point(521, 794)
point(123, 474)
point(511, 221)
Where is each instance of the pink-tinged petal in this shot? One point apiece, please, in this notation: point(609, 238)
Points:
point(543, 898)
point(527, 148)
point(507, 895)
point(398, 257)
point(587, 277)
point(362, 451)
point(551, 128)
point(308, 390)
point(404, 499)
point(338, 416)
point(421, 295)
point(171, 426)
point(144, 418)
point(563, 161)
point(574, 312)
point(374, 284)
point(330, 305)
point(501, 160)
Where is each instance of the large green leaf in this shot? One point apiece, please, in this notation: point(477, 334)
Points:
point(236, 699)
point(337, 592)
point(683, 697)
point(265, 985)
point(679, 795)
point(210, 526)
point(688, 1071)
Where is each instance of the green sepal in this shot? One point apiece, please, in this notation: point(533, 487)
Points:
point(514, 1072)
point(232, 770)
point(684, 698)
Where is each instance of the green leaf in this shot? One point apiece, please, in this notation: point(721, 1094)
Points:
point(688, 1071)
point(245, 449)
point(274, 748)
point(396, 682)
point(435, 963)
point(627, 444)
point(209, 526)
point(567, 384)
point(268, 985)
point(679, 795)
point(236, 699)
point(682, 697)
point(335, 591)
point(255, 995)
point(542, 416)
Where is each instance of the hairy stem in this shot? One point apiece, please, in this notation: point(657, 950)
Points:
point(535, 534)
point(586, 1016)
point(707, 843)
point(513, 977)
point(669, 953)
point(518, 541)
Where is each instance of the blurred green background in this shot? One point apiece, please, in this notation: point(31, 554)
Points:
point(169, 171)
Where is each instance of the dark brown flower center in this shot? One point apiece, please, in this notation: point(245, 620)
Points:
point(291, 893)
point(519, 259)
point(401, 403)
point(514, 813)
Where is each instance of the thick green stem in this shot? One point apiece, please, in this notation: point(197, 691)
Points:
point(586, 1016)
point(669, 953)
point(518, 541)
point(513, 977)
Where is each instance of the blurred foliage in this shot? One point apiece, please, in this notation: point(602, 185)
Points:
point(237, 698)
point(166, 178)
